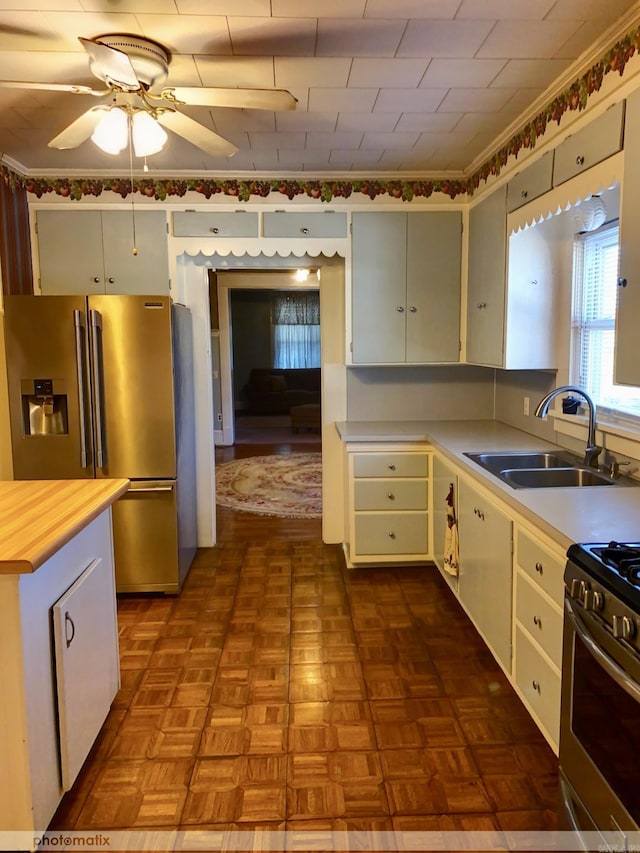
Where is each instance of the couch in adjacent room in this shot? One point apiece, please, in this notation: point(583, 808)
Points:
point(273, 391)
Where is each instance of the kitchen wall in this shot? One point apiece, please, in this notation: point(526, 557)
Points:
point(420, 393)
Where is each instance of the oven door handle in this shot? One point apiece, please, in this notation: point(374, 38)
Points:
point(607, 663)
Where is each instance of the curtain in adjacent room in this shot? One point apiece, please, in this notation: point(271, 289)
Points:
point(296, 329)
point(15, 241)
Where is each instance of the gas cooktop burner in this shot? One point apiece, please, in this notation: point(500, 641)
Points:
point(616, 565)
point(625, 558)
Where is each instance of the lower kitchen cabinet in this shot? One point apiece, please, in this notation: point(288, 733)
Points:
point(54, 705)
point(444, 477)
point(485, 580)
point(388, 489)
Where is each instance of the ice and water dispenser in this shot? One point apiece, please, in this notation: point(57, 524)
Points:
point(44, 407)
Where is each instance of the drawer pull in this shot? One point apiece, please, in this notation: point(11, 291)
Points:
point(537, 621)
point(579, 160)
point(214, 230)
point(391, 467)
point(479, 513)
point(536, 685)
point(96, 279)
point(413, 309)
point(400, 309)
point(481, 305)
point(304, 230)
point(539, 568)
point(524, 193)
point(392, 535)
point(391, 496)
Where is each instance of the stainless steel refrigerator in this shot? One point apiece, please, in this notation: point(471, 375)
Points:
point(102, 386)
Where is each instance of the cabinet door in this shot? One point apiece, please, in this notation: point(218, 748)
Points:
point(627, 363)
point(444, 476)
point(485, 580)
point(487, 279)
point(595, 142)
point(433, 286)
point(86, 656)
point(146, 272)
point(70, 251)
point(191, 223)
point(326, 224)
point(532, 182)
point(379, 275)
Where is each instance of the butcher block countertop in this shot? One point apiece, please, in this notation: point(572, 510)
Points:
point(38, 517)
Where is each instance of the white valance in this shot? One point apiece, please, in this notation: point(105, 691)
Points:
point(259, 247)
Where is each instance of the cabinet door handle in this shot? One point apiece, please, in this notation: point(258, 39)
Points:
point(524, 193)
point(622, 282)
point(536, 685)
point(68, 621)
point(413, 309)
point(391, 496)
point(304, 230)
point(537, 621)
point(96, 279)
point(580, 160)
point(539, 568)
point(481, 305)
point(400, 309)
point(111, 279)
point(214, 230)
point(392, 467)
point(392, 535)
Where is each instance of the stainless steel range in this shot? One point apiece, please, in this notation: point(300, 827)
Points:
point(600, 716)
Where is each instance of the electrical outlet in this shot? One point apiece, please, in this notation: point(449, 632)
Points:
point(525, 408)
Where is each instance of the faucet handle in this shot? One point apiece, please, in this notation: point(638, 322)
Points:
point(614, 469)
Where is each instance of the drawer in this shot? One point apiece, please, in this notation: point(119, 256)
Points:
point(595, 142)
point(542, 567)
point(390, 494)
point(326, 224)
point(390, 465)
point(391, 533)
point(532, 182)
point(239, 223)
point(538, 683)
point(539, 617)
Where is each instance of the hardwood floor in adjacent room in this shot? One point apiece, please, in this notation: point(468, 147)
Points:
point(282, 691)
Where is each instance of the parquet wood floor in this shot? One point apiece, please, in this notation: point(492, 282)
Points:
point(281, 690)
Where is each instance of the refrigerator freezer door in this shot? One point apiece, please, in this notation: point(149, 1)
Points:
point(145, 538)
point(133, 382)
point(48, 387)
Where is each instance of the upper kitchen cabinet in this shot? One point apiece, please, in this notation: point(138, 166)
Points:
point(279, 223)
point(406, 287)
point(92, 251)
point(236, 223)
point(512, 294)
point(627, 363)
point(531, 183)
point(595, 142)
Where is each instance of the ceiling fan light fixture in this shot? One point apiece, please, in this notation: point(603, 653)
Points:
point(112, 132)
point(148, 136)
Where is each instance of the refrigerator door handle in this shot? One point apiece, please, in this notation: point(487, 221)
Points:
point(95, 319)
point(79, 328)
point(137, 491)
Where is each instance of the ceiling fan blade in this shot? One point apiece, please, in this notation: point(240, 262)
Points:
point(248, 99)
point(55, 87)
point(197, 134)
point(79, 130)
point(112, 65)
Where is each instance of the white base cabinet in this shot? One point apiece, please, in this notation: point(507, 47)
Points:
point(34, 704)
point(388, 500)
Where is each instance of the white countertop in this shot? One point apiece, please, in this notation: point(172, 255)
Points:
point(566, 515)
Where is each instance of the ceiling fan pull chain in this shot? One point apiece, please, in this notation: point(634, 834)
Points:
point(134, 249)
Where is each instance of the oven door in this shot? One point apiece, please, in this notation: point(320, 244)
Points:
point(599, 727)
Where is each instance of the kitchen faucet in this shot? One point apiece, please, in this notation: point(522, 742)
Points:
point(592, 450)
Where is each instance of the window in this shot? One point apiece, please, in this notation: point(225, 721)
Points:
point(296, 329)
point(595, 295)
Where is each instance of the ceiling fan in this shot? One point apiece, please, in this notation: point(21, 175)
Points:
point(134, 70)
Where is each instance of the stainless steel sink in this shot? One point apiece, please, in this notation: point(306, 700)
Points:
point(539, 478)
point(543, 469)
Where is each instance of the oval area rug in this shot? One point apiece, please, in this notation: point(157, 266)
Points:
point(289, 486)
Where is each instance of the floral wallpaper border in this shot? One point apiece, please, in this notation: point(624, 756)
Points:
point(573, 98)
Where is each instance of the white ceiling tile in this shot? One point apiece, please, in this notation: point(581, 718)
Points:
point(389, 140)
point(580, 10)
point(134, 7)
point(473, 123)
point(297, 72)
point(531, 10)
point(318, 8)
point(31, 31)
point(56, 67)
point(340, 139)
point(442, 9)
point(41, 5)
point(449, 39)
point(530, 73)
point(585, 35)
point(292, 161)
point(358, 37)
point(368, 121)
point(365, 159)
point(342, 100)
point(409, 100)
point(188, 33)
point(306, 122)
point(260, 141)
point(526, 39)
point(475, 100)
point(437, 122)
point(251, 8)
point(229, 121)
point(433, 141)
point(451, 73)
point(71, 25)
point(392, 73)
point(521, 101)
point(272, 36)
point(183, 71)
point(255, 72)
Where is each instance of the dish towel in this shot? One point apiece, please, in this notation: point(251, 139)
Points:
point(451, 547)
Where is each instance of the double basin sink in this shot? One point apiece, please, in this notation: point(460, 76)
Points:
point(542, 469)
